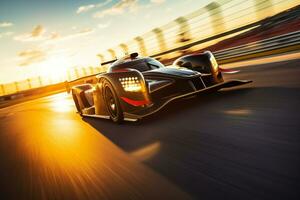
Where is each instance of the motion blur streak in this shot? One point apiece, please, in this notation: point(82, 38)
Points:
point(47, 154)
point(238, 112)
point(146, 152)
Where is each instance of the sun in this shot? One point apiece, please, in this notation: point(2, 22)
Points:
point(56, 68)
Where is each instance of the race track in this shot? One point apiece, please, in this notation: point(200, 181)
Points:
point(240, 143)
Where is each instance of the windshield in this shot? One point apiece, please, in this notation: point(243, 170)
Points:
point(150, 64)
point(139, 64)
point(154, 64)
point(142, 66)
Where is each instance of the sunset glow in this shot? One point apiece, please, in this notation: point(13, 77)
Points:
point(46, 38)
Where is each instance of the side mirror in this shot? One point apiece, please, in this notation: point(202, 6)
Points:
point(187, 65)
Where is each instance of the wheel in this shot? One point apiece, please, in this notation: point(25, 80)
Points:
point(112, 103)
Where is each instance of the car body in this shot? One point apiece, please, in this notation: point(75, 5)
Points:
point(135, 87)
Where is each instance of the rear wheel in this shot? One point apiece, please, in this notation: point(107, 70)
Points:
point(112, 103)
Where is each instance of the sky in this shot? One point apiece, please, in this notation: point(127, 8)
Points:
point(42, 37)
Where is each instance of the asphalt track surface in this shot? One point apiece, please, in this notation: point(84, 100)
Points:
point(240, 143)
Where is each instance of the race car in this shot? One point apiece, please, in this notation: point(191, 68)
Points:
point(134, 87)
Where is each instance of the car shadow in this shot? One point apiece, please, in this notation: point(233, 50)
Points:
point(125, 134)
point(201, 143)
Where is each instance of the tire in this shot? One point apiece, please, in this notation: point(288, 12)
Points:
point(112, 103)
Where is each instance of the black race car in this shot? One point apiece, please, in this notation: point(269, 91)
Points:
point(135, 87)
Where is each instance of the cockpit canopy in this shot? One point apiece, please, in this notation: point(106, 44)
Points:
point(134, 62)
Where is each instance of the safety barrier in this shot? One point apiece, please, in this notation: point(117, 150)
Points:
point(202, 28)
point(40, 81)
point(197, 30)
point(282, 41)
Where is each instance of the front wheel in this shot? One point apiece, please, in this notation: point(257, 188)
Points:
point(112, 103)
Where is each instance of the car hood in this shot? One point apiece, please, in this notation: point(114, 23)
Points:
point(171, 71)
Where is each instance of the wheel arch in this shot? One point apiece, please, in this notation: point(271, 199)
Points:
point(114, 79)
point(104, 84)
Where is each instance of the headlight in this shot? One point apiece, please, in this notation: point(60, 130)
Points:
point(213, 61)
point(131, 84)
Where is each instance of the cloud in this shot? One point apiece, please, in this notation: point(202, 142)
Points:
point(126, 6)
point(28, 57)
point(6, 34)
point(86, 8)
point(118, 8)
point(37, 34)
point(5, 24)
point(82, 32)
point(169, 10)
point(89, 7)
point(104, 25)
point(157, 1)
point(54, 36)
point(38, 31)
point(99, 5)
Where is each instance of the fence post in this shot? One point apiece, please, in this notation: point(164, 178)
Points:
point(160, 39)
point(29, 83)
point(216, 15)
point(84, 71)
point(258, 5)
point(69, 75)
point(76, 73)
point(91, 70)
point(17, 87)
point(142, 46)
point(40, 81)
point(2, 89)
point(50, 80)
point(112, 53)
point(101, 57)
point(124, 47)
point(184, 29)
point(99, 69)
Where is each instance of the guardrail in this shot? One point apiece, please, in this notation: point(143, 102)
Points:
point(41, 81)
point(274, 43)
point(210, 24)
point(206, 26)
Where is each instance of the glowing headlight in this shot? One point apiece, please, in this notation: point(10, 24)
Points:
point(131, 84)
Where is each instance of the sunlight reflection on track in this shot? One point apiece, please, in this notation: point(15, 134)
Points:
point(56, 156)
